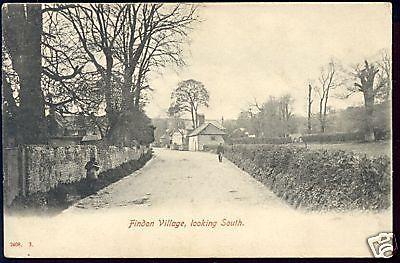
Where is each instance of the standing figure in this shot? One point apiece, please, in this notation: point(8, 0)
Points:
point(220, 151)
point(92, 170)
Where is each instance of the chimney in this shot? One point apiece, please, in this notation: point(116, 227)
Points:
point(222, 121)
point(200, 119)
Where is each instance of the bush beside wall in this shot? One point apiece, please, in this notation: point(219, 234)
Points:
point(317, 179)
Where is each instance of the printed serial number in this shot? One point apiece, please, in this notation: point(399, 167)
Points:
point(19, 244)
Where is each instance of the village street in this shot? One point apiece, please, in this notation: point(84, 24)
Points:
point(113, 112)
point(179, 184)
point(182, 186)
point(184, 179)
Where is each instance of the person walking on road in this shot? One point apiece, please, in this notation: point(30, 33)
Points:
point(220, 151)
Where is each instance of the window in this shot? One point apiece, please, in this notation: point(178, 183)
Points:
point(212, 138)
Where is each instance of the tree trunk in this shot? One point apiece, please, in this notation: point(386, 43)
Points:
point(321, 121)
point(12, 107)
point(137, 96)
point(127, 96)
point(369, 135)
point(26, 58)
point(196, 118)
point(193, 119)
point(325, 109)
point(309, 127)
point(138, 89)
point(111, 113)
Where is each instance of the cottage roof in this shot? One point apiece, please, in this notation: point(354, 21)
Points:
point(202, 128)
point(76, 122)
point(91, 137)
point(216, 124)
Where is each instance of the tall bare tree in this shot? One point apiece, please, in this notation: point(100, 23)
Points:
point(309, 108)
point(327, 82)
point(189, 96)
point(273, 118)
point(97, 27)
point(285, 113)
point(365, 83)
point(89, 58)
point(151, 39)
point(125, 42)
point(65, 85)
point(384, 76)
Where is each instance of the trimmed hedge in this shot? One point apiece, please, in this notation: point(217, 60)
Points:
point(380, 134)
point(272, 140)
point(317, 179)
point(210, 147)
point(333, 137)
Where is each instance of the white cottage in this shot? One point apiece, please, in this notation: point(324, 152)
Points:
point(207, 134)
point(178, 137)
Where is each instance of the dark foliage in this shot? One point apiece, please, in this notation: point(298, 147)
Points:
point(317, 179)
point(333, 137)
point(380, 134)
point(133, 127)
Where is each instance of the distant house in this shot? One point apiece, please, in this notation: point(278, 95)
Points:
point(178, 133)
point(207, 134)
point(175, 135)
point(178, 137)
point(72, 129)
point(164, 140)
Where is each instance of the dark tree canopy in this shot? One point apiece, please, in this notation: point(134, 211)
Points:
point(134, 128)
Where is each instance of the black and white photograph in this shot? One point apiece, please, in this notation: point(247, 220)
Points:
point(197, 130)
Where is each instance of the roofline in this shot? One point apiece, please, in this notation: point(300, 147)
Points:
point(207, 134)
point(198, 133)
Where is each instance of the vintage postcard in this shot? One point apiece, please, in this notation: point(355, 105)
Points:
point(197, 130)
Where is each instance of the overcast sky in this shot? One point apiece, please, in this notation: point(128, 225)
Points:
point(246, 51)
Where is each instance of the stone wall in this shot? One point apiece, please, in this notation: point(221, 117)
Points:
point(40, 168)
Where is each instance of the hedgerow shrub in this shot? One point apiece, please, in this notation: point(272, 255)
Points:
point(317, 179)
point(333, 137)
point(210, 147)
point(272, 140)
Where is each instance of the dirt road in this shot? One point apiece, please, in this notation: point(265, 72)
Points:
point(184, 204)
point(185, 179)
